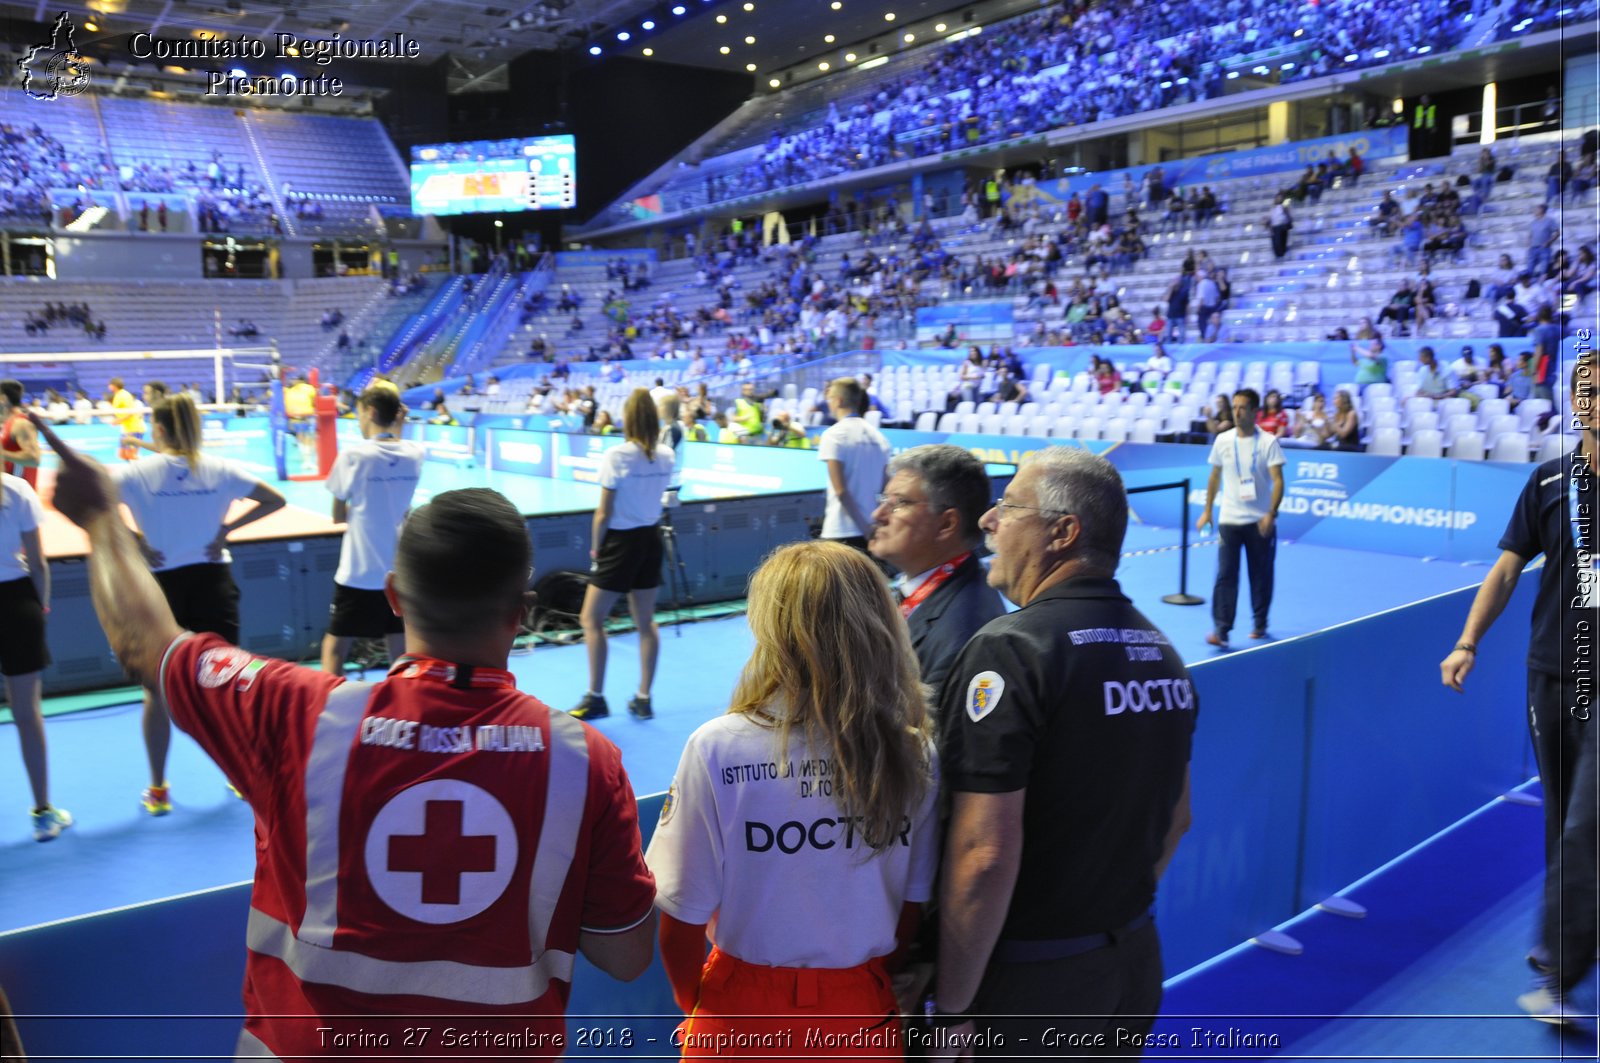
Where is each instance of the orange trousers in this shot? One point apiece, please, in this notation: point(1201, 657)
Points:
point(750, 1011)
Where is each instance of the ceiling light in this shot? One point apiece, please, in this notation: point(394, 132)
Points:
point(822, 66)
point(649, 52)
point(940, 28)
point(648, 25)
point(749, 40)
point(623, 35)
point(849, 57)
point(724, 49)
point(837, 5)
point(773, 83)
point(678, 10)
point(594, 49)
point(908, 38)
point(91, 26)
point(828, 39)
point(749, 7)
point(750, 67)
point(888, 16)
point(722, 18)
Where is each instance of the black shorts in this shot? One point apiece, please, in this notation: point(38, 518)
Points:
point(203, 598)
point(629, 560)
point(360, 614)
point(22, 646)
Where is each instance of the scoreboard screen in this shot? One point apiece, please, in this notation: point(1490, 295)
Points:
point(495, 176)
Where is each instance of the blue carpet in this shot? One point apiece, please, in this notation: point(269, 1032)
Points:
point(1432, 971)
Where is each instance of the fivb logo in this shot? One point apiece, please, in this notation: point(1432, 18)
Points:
point(1325, 471)
point(56, 68)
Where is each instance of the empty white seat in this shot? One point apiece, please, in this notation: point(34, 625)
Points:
point(1489, 409)
point(966, 406)
point(928, 422)
point(1115, 430)
point(1040, 427)
point(1468, 446)
point(1385, 440)
point(1144, 430)
point(985, 409)
point(1065, 428)
point(1498, 426)
point(1509, 446)
point(1530, 410)
point(992, 423)
point(1556, 445)
point(1428, 443)
point(1456, 424)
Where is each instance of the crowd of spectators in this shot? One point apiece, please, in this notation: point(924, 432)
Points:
point(32, 162)
point(1079, 62)
point(63, 315)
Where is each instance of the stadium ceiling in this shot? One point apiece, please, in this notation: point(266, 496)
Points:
point(778, 36)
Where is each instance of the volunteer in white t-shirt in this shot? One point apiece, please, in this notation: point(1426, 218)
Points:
point(372, 484)
point(1247, 467)
point(180, 500)
point(625, 557)
point(24, 601)
point(857, 455)
point(800, 834)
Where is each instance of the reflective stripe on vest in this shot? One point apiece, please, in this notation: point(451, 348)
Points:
point(335, 734)
point(310, 953)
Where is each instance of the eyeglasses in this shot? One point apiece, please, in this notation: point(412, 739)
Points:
point(1002, 505)
point(898, 502)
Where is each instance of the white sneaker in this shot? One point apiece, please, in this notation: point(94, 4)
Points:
point(50, 823)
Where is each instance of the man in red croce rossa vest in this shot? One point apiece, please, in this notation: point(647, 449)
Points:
point(435, 844)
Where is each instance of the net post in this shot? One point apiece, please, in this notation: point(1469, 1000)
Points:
point(1183, 597)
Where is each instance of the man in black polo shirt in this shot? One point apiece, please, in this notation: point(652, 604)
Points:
point(926, 525)
point(1556, 516)
point(1066, 729)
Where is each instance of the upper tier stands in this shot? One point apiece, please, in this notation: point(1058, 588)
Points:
point(240, 171)
point(169, 315)
point(1072, 64)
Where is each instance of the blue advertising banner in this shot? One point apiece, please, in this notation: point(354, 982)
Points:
point(717, 470)
point(975, 322)
point(533, 422)
point(507, 450)
point(599, 258)
point(577, 457)
point(448, 443)
point(1416, 507)
point(1282, 158)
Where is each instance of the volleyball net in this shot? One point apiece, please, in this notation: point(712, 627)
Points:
point(236, 379)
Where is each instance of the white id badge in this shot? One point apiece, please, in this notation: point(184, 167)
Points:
point(1247, 490)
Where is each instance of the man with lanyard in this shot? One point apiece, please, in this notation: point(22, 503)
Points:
point(1245, 465)
point(1065, 732)
point(437, 844)
point(926, 525)
point(372, 484)
point(129, 422)
point(19, 443)
point(1556, 515)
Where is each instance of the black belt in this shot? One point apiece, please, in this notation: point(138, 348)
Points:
point(1062, 948)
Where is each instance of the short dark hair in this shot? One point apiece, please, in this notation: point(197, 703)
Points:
point(1249, 395)
point(157, 386)
point(953, 478)
point(462, 558)
point(383, 401)
point(12, 390)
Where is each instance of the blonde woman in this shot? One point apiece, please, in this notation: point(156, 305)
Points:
point(625, 556)
point(802, 822)
point(180, 499)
